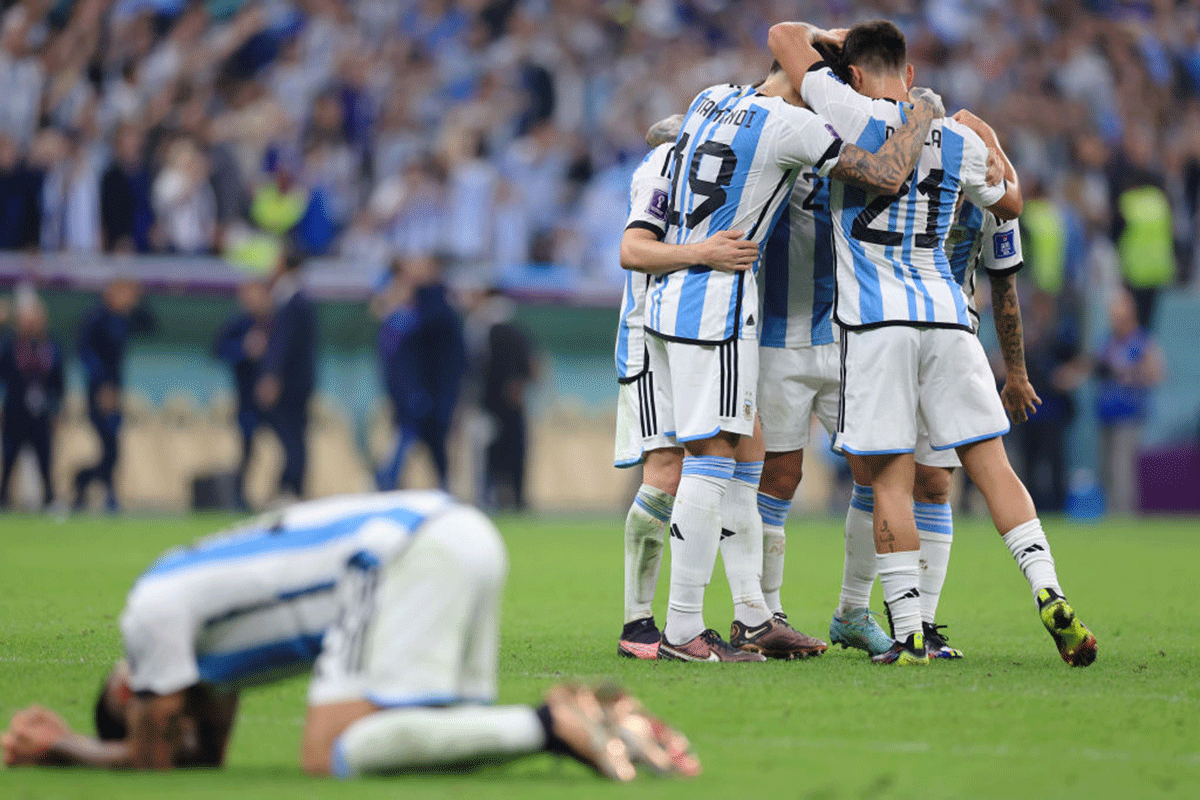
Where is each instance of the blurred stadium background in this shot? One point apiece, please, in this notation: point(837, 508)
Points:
point(186, 145)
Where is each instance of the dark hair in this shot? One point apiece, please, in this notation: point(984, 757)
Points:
point(109, 727)
point(775, 67)
point(831, 54)
point(876, 46)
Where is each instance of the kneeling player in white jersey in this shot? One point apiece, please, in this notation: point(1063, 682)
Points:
point(908, 354)
point(737, 156)
point(350, 583)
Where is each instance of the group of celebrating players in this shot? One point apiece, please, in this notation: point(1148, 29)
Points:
point(808, 246)
point(803, 246)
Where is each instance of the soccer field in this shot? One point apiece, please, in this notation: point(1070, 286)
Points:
point(1011, 720)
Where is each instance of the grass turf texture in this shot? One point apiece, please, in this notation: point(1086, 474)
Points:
point(1011, 720)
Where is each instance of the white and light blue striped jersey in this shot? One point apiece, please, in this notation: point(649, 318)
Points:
point(795, 283)
point(891, 266)
point(735, 160)
point(252, 605)
point(978, 238)
point(649, 196)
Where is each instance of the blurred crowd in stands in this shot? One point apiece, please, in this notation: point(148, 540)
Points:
point(502, 132)
point(498, 137)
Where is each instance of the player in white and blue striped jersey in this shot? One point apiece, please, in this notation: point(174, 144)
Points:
point(909, 355)
point(395, 597)
point(642, 436)
point(639, 432)
point(736, 158)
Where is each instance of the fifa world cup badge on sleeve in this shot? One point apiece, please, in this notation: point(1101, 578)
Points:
point(658, 204)
point(1003, 245)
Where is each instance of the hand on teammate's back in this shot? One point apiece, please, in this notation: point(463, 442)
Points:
point(1020, 399)
point(728, 251)
point(919, 94)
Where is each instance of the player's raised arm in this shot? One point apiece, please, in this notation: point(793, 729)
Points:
point(886, 170)
point(1010, 205)
point(725, 251)
point(792, 45)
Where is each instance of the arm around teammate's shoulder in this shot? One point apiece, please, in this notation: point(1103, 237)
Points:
point(724, 251)
point(886, 170)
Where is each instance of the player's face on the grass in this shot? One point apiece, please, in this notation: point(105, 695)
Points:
point(116, 694)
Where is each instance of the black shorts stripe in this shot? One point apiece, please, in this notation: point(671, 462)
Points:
point(841, 419)
point(652, 414)
point(641, 390)
point(733, 384)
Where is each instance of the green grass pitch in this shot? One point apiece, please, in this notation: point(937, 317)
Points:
point(1010, 721)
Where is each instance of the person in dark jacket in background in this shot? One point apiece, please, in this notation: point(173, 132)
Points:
point(1052, 353)
point(31, 372)
point(289, 368)
point(102, 340)
point(241, 343)
point(20, 199)
point(422, 358)
point(126, 213)
point(508, 367)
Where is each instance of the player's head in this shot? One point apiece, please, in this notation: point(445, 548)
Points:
point(665, 130)
point(875, 50)
point(112, 704)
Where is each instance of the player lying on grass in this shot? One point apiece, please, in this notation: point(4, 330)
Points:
point(645, 436)
point(395, 597)
point(909, 353)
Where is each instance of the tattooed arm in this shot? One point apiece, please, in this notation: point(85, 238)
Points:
point(1018, 395)
point(886, 170)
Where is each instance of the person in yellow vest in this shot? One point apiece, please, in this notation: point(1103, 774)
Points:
point(1141, 222)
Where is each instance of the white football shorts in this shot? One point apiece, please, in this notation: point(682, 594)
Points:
point(793, 384)
point(422, 628)
point(702, 389)
point(898, 378)
point(640, 426)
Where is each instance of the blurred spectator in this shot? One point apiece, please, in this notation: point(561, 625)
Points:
point(1051, 352)
point(184, 202)
point(20, 199)
point(102, 340)
point(126, 215)
point(1128, 367)
point(289, 368)
point(241, 343)
point(31, 372)
point(70, 193)
point(422, 357)
point(505, 357)
point(1141, 220)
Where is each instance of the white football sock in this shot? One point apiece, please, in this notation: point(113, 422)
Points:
point(858, 572)
point(645, 526)
point(898, 575)
point(935, 524)
point(1028, 545)
point(422, 738)
point(742, 544)
point(695, 533)
point(773, 512)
